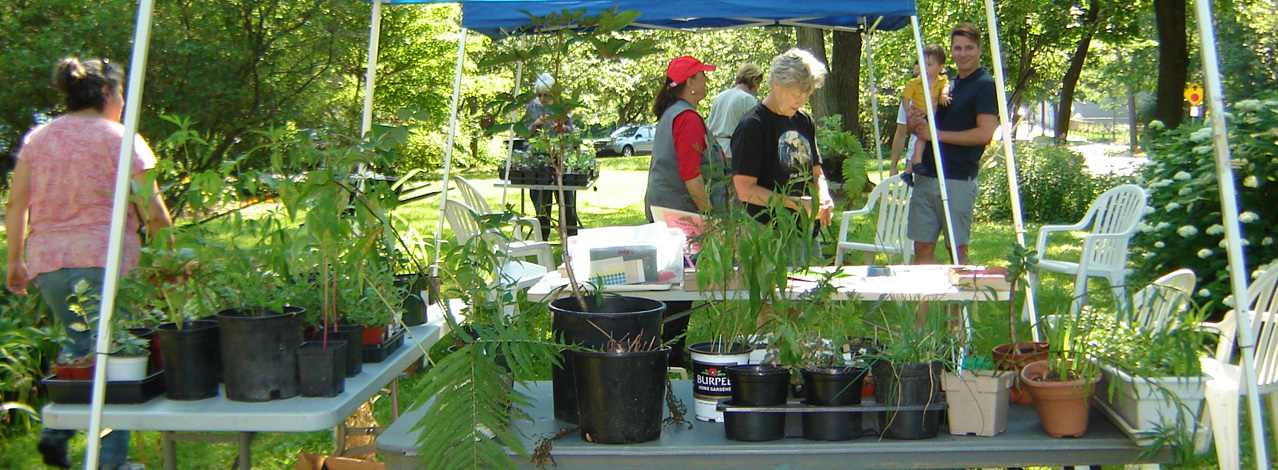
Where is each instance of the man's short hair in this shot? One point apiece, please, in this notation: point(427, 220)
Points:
point(934, 51)
point(967, 30)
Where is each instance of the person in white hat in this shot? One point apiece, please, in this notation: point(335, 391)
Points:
point(541, 121)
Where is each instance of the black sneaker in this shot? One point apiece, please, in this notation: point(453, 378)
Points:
point(54, 451)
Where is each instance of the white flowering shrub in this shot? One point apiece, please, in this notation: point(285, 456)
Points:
point(1186, 228)
point(1054, 187)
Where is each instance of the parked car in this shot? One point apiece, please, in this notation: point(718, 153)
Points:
point(601, 144)
point(633, 140)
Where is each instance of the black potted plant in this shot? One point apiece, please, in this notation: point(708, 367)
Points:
point(907, 373)
point(179, 295)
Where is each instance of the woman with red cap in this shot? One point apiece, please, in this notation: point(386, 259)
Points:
point(684, 164)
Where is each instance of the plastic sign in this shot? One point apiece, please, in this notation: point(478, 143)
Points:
point(1194, 94)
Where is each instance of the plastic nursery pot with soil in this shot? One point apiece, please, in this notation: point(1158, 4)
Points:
point(711, 383)
point(190, 357)
point(422, 291)
point(153, 345)
point(353, 335)
point(622, 319)
point(321, 368)
point(977, 401)
point(1014, 359)
point(1062, 406)
point(832, 386)
point(80, 368)
point(259, 353)
point(620, 395)
point(911, 385)
point(120, 368)
point(756, 385)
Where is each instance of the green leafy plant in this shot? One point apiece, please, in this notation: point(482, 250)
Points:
point(1184, 226)
point(1053, 185)
point(1020, 262)
point(905, 340)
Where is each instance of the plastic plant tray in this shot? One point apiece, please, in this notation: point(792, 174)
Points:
point(379, 352)
point(117, 392)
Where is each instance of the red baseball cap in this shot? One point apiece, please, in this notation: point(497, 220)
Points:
point(684, 67)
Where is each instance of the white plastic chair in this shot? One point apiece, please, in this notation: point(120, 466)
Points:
point(1113, 218)
point(1166, 298)
point(465, 224)
point(1226, 385)
point(471, 196)
point(893, 197)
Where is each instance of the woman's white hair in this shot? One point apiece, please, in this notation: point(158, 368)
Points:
point(544, 83)
point(797, 68)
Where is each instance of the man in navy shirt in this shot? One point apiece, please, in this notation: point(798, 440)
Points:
point(964, 128)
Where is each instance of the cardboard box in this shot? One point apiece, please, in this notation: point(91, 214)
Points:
point(309, 461)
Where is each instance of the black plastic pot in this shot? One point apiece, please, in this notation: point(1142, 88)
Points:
point(353, 335)
point(832, 386)
point(321, 368)
point(618, 318)
point(757, 385)
point(422, 291)
point(909, 385)
point(259, 353)
point(620, 396)
point(191, 359)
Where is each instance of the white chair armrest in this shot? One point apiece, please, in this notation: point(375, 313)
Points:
point(1046, 230)
point(532, 223)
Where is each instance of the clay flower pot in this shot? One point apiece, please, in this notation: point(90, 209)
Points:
point(1014, 358)
point(1062, 405)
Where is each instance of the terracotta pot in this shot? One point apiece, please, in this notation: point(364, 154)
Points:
point(73, 371)
point(1063, 406)
point(374, 334)
point(1007, 358)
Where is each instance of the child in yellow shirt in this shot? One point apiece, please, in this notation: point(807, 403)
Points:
point(934, 57)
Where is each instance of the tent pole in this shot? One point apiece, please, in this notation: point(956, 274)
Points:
point(370, 74)
point(452, 136)
point(1013, 189)
point(510, 144)
point(1229, 208)
point(119, 214)
point(936, 144)
point(874, 97)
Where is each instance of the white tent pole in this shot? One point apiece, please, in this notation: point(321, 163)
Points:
point(936, 143)
point(1229, 208)
point(370, 75)
point(119, 214)
point(452, 136)
point(874, 97)
point(1013, 188)
point(510, 144)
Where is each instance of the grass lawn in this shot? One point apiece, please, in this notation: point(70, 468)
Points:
point(615, 200)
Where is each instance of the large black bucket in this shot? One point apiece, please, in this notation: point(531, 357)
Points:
point(622, 318)
point(832, 386)
point(757, 385)
point(259, 353)
point(620, 396)
point(909, 385)
point(190, 357)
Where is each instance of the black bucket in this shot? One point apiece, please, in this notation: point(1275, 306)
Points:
point(909, 385)
point(757, 385)
point(259, 353)
point(620, 396)
point(422, 290)
point(321, 368)
point(622, 318)
point(353, 335)
point(833, 386)
point(190, 358)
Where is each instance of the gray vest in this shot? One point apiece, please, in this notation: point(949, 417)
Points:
point(665, 187)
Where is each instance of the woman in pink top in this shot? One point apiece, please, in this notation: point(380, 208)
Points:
point(59, 214)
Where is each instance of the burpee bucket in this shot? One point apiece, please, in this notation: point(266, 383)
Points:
point(710, 361)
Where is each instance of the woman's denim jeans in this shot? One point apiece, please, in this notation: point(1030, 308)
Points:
point(55, 287)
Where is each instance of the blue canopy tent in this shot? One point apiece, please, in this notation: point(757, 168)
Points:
point(504, 17)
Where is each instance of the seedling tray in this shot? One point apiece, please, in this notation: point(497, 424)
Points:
point(117, 392)
point(379, 352)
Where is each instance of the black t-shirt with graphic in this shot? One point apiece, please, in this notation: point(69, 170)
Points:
point(776, 149)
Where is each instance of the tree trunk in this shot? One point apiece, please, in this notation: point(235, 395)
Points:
point(1070, 82)
point(1173, 61)
point(822, 99)
point(844, 80)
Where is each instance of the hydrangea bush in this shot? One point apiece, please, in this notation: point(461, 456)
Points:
point(1184, 227)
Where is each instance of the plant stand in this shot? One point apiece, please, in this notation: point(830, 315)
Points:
point(978, 401)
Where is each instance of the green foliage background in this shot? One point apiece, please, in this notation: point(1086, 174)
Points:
point(1054, 188)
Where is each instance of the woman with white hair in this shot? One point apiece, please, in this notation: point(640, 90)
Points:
point(541, 121)
point(774, 152)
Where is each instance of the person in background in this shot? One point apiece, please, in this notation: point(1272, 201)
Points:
point(540, 122)
point(730, 105)
point(916, 97)
point(681, 149)
point(775, 144)
point(59, 214)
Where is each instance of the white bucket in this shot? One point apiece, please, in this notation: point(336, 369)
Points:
point(126, 368)
point(710, 377)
